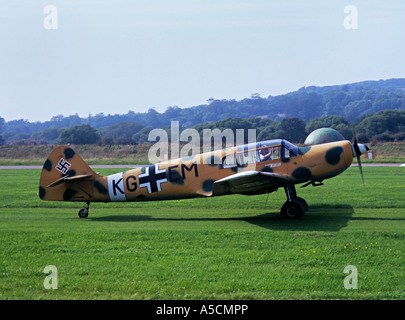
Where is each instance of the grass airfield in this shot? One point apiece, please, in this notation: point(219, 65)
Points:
point(232, 247)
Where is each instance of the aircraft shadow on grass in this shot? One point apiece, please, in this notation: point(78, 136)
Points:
point(325, 218)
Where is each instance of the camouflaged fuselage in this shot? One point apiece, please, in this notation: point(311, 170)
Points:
point(66, 177)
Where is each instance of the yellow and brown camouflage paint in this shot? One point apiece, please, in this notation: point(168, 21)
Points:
point(66, 177)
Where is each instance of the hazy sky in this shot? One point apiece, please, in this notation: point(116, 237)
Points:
point(116, 56)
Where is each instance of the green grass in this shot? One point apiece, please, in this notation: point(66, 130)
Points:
point(233, 247)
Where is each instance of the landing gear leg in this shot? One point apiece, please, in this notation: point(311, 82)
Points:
point(295, 207)
point(83, 213)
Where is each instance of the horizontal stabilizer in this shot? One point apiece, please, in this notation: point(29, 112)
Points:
point(68, 179)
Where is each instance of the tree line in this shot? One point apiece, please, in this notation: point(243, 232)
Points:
point(350, 102)
point(386, 125)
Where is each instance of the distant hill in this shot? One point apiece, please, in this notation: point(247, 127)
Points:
point(352, 101)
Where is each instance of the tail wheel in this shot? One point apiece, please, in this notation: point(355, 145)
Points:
point(292, 210)
point(83, 213)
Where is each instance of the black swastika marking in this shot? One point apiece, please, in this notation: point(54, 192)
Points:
point(63, 166)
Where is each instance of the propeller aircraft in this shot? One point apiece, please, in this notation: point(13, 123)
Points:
point(249, 169)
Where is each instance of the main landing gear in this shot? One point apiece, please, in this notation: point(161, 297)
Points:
point(295, 207)
point(83, 213)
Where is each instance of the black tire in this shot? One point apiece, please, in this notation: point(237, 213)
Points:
point(292, 210)
point(303, 203)
point(83, 213)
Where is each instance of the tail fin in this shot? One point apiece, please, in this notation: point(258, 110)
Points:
point(66, 177)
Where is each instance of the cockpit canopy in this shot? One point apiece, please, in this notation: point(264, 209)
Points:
point(265, 151)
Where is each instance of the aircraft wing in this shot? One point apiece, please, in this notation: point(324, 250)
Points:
point(250, 182)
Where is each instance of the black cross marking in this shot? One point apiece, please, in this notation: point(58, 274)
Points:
point(152, 178)
point(63, 166)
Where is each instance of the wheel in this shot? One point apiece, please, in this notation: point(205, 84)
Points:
point(83, 213)
point(292, 210)
point(303, 203)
